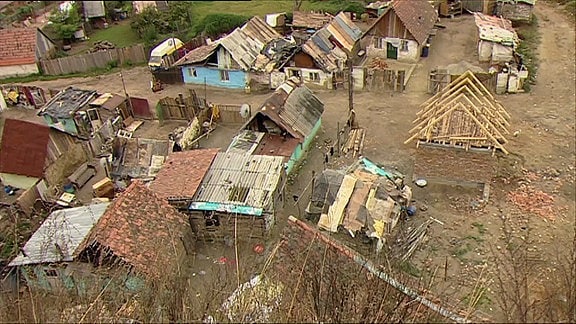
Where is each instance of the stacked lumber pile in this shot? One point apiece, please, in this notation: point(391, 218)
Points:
point(355, 142)
point(531, 200)
point(464, 114)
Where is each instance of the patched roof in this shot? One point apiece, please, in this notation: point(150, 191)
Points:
point(418, 17)
point(198, 54)
point(244, 44)
point(310, 20)
point(141, 157)
point(321, 45)
point(60, 235)
point(67, 102)
point(182, 173)
point(141, 229)
point(108, 101)
point(240, 180)
point(294, 108)
point(18, 46)
point(496, 29)
point(24, 148)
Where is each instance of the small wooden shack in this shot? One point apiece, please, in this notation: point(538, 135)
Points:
point(463, 115)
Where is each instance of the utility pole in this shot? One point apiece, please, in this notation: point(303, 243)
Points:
point(351, 112)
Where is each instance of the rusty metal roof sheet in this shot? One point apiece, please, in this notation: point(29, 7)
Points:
point(310, 20)
point(496, 29)
point(198, 54)
point(242, 179)
point(24, 148)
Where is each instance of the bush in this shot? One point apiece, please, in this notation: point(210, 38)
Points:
point(335, 6)
point(112, 65)
point(213, 25)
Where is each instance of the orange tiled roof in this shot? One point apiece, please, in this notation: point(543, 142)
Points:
point(182, 173)
point(418, 16)
point(141, 229)
point(18, 46)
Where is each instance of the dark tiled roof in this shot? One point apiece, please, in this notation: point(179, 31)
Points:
point(182, 173)
point(418, 17)
point(24, 148)
point(18, 46)
point(67, 101)
point(142, 229)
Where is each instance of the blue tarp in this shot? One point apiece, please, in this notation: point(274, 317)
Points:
point(374, 169)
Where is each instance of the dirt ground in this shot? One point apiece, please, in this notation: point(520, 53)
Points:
point(544, 147)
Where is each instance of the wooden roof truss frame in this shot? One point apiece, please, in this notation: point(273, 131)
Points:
point(464, 114)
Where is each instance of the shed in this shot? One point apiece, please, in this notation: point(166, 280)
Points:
point(65, 111)
point(29, 46)
point(497, 39)
point(94, 9)
point(402, 31)
point(515, 10)
point(182, 174)
point(242, 186)
point(291, 114)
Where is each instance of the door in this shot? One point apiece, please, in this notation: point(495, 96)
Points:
point(391, 51)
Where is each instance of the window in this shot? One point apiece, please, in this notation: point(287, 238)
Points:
point(51, 273)
point(404, 46)
point(379, 42)
point(192, 72)
point(93, 114)
point(314, 76)
point(224, 76)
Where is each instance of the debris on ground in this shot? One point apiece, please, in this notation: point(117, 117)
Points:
point(378, 64)
point(102, 45)
point(532, 200)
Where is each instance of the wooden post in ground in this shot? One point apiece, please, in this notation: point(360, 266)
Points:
point(338, 139)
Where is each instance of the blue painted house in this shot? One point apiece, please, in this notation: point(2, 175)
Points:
point(285, 125)
point(75, 248)
point(229, 61)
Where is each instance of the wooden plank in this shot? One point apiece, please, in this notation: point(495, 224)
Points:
point(333, 218)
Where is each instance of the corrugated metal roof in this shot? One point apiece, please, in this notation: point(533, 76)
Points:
point(496, 29)
point(294, 108)
point(241, 179)
point(67, 228)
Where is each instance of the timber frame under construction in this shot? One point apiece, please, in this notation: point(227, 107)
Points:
point(464, 115)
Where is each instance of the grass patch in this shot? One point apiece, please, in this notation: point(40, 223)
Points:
point(410, 269)
point(121, 35)
point(530, 39)
point(110, 68)
point(480, 227)
point(460, 252)
point(253, 8)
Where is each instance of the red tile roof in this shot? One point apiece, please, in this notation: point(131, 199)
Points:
point(142, 229)
point(182, 173)
point(418, 17)
point(18, 46)
point(24, 148)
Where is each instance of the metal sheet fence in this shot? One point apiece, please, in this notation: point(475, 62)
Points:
point(86, 62)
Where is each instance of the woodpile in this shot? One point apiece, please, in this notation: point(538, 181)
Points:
point(531, 200)
point(378, 64)
point(102, 45)
point(355, 142)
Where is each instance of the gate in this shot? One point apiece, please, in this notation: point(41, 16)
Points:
point(141, 108)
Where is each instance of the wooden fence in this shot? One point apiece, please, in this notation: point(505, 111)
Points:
point(181, 108)
point(86, 62)
point(230, 114)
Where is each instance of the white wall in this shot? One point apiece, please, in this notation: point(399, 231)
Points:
point(494, 53)
point(324, 79)
point(18, 70)
point(409, 54)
